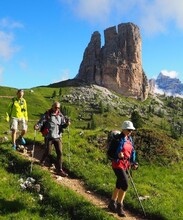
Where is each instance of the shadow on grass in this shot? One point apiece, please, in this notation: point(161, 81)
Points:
point(14, 163)
point(10, 206)
point(38, 115)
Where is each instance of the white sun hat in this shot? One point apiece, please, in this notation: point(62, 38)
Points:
point(128, 125)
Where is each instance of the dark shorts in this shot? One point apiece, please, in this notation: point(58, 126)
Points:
point(122, 179)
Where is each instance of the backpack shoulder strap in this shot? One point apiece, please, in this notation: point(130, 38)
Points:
point(122, 141)
point(131, 140)
point(133, 155)
point(48, 114)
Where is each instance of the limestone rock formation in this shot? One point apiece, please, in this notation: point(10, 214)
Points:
point(117, 65)
point(152, 86)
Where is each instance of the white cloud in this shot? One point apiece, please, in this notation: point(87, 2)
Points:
point(152, 16)
point(171, 10)
point(180, 96)
point(171, 74)
point(7, 49)
point(6, 45)
point(94, 11)
point(158, 14)
point(10, 24)
point(158, 90)
point(100, 11)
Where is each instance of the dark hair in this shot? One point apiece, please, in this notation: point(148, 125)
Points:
point(20, 90)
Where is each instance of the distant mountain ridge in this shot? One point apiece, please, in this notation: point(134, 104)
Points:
point(166, 84)
point(169, 85)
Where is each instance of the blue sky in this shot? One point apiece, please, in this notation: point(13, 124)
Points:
point(43, 41)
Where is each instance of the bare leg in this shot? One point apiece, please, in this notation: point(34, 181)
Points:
point(121, 196)
point(23, 133)
point(115, 194)
point(13, 135)
point(112, 204)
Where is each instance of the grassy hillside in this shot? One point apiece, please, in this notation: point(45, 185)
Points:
point(94, 111)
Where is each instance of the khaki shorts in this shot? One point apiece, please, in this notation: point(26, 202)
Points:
point(20, 123)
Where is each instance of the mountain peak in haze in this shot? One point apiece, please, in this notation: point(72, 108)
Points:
point(169, 85)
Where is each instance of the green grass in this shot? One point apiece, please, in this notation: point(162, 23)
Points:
point(161, 183)
point(160, 158)
point(58, 202)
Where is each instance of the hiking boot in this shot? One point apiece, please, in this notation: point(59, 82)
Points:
point(120, 210)
point(112, 206)
point(62, 173)
point(14, 147)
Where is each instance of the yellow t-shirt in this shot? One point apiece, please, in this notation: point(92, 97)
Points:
point(18, 109)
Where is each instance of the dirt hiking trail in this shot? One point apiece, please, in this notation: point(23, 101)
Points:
point(75, 184)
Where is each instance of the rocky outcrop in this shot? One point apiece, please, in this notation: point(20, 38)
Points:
point(118, 64)
point(152, 86)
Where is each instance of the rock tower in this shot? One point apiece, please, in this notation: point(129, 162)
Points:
point(117, 65)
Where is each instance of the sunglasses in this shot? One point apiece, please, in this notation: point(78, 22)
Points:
point(57, 107)
point(129, 130)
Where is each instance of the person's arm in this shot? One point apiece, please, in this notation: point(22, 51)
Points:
point(65, 122)
point(9, 110)
point(38, 125)
point(134, 164)
point(133, 156)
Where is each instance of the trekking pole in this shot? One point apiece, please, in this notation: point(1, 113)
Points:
point(33, 147)
point(133, 184)
point(69, 148)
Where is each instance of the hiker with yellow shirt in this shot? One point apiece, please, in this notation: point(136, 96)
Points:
point(17, 115)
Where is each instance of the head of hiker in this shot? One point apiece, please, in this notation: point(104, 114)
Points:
point(127, 127)
point(56, 107)
point(20, 93)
